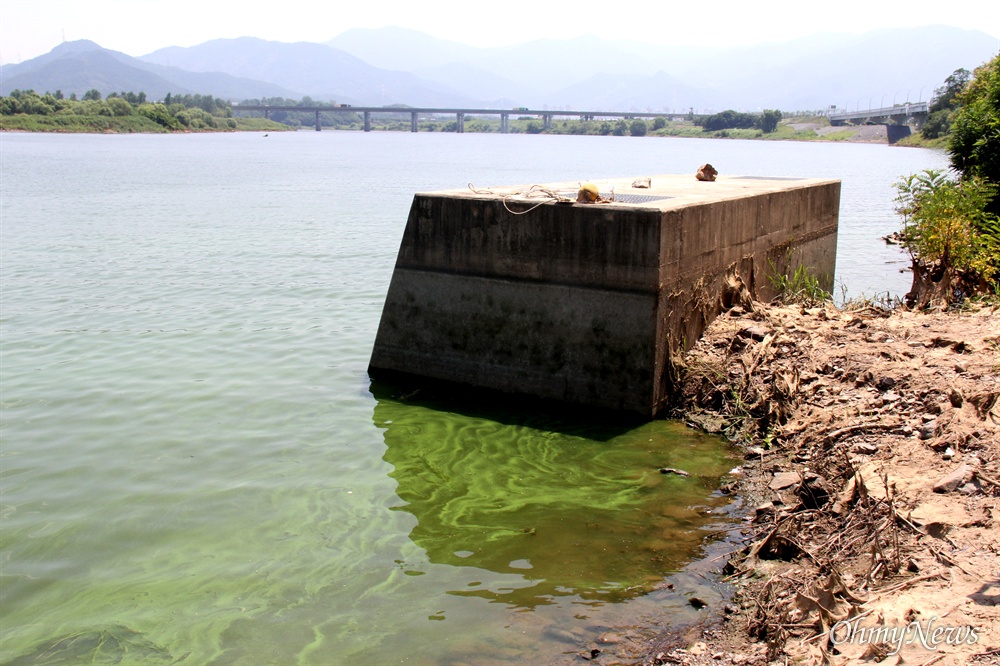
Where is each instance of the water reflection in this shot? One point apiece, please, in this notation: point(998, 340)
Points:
point(562, 504)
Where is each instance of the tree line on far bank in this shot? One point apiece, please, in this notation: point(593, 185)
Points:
point(205, 112)
point(766, 122)
point(125, 111)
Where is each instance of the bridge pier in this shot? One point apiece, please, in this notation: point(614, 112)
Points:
point(460, 118)
point(504, 123)
point(368, 121)
point(546, 121)
point(897, 132)
point(413, 121)
point(317, 120)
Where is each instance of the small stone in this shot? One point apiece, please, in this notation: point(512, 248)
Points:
point(672, 470)
point(886, 383)
point(956, 398)
point(697, 603)
point(927, 430)
point(754, 333)
point(765, 509)
point(961, 367)
point(813, 492)
point(698, 648)
point(784, 480)
point(865, 448)
point(938, 530)
point(955, 480)
point(609, 638)
point(907, 430)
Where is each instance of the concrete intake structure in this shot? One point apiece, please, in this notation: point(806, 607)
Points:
point(514, 290)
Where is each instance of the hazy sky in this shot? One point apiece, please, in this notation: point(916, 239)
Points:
point(29, 28)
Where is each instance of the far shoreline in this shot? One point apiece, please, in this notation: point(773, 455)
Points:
point(801, 132)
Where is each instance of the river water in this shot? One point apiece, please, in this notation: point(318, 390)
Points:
point(195, 467)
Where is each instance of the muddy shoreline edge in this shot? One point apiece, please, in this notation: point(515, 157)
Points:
point(872, 482)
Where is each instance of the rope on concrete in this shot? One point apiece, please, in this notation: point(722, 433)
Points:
point(543, 194)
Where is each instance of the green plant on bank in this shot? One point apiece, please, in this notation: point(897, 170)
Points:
point(946, 227)
point(802, 286)
point(950, 225)
point(879, 303)
point(741, 427)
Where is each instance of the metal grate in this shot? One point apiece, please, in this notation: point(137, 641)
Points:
point(634, 198)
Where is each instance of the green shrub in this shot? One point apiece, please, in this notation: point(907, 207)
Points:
point(159, 114)
point(954, 242)
point(975, 133)
point(768, 120)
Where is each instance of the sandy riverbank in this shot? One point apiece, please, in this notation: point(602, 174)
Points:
point(853, 133)
point(872, 468)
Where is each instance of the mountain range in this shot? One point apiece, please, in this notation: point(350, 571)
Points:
point(376, 67)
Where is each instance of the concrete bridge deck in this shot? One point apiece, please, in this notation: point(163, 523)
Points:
point(509, 288)
point(897, 113)
point(897, 118)
point(546, 115)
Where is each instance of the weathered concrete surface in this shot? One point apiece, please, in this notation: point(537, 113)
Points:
point(586, 303)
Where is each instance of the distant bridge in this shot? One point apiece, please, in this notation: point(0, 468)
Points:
point(897, 118)
point(460, 114)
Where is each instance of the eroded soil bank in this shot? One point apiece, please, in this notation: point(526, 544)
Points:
point(872, 446)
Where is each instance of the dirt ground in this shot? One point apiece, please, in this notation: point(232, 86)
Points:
point(859, 133)
point(872, 444)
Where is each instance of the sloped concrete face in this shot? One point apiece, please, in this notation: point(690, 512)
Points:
point(586, 303)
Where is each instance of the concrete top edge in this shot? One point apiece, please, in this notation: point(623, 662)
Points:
point(662, 192)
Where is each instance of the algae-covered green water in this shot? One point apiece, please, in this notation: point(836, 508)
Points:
point(561, 510)
point(196, 469)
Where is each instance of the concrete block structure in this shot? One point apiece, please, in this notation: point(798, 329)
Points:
point(523, 290)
